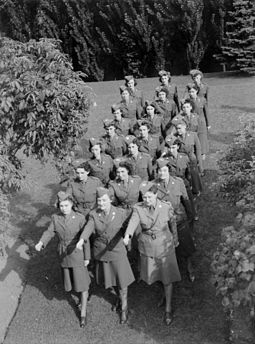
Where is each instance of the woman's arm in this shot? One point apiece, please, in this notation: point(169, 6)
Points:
point(132, 225)
point(46, 237)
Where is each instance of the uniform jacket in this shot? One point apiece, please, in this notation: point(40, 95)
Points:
point(167, 109)
point(200, 107)
point(142, 165)
point(151, 146)
point(108, 229)
point(172, 93)
point(157, 125)
point(203, 91)
point(155, 239)
point(130, 109)
point(84, 194)
point(192, 122)
point(102, 169)
point(124, 127)
point(116, 146)
point(68, 230)
point(125, 196)
point(138, 97)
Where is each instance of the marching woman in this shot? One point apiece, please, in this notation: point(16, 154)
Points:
point(68, 226)
point(128, 104)
point(156, 242)
point(114, 144)
point(197, 78)
point(83, 188)
point(135, 93)
point(156, 121)
point(200, 107)
point(112, 265)
point(165, 80)
point(125, 188)
point(141, 161)
point(164, 106)
point(101, 165)
point(172, 189)
point(123, 125)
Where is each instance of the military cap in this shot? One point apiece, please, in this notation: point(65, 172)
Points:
point(115, 107)
point(146, 186)
point(108, 123)
point(149, 103)
point(192, 85)
point(161, 162)
point(101, 191)
point(162, 89)
point(63, 196)
point(78, 162)
point(117, 161)
point(128, 78)
point(164, 72)
point(129, 139)
point(94, 141)
point(141, 122)
point(123, 88)
point(195, 72)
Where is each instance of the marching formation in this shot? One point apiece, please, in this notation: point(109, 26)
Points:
point(135, 199)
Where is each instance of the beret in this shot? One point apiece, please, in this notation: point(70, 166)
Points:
point(145, 186)
point(101, 191)
point(108, 123)
point(164, 72)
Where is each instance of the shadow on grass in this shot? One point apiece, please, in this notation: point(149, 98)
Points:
point(225, 138)
point(240, 108)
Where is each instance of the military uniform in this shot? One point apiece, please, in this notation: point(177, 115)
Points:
point(138, 97)
point(156, 242)
point(157, 125)
point(68, 230)
point(102, 169)
point(124, 127)
point(192, 123)
point(125, 196)
point(130, 109)
point(151, 146)
point(84, 194)
point(172, 93)
point(167, 109)
point(142, 165)
point(113, 267)
point(115, 146)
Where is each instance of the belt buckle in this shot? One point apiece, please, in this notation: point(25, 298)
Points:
point(153, 236)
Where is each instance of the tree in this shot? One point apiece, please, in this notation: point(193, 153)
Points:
point(238, 49)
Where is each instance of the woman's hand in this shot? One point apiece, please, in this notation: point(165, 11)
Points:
point(80, 244)
point(126, 239)
point(86, 262)
point(39, 246)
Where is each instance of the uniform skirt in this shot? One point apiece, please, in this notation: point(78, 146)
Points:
point(203, 142)
point(114, 273)
point(186, 245)
point(164, 269)
point(76, 278)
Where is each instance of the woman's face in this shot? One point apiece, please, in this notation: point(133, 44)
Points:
point(150, 198)
point(181, 129)
point(162, 96)
point(163, 173)
point(131, 84)
point(144, 131)
point(150, 110)
point(193, 93)
point(125, 95)
point(133, 149)
point(164, 79)
point(117, 115)
point(122, 173)
point(81, 174)
point(186, 108)
point(173, 150)
point(110, 131)
point(96, 151)
point(66, 207)
point(197, 79)
point(104, 202)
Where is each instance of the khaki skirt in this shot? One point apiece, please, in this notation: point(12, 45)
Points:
point(117, 273)
point(76, 278)
point(164, 269)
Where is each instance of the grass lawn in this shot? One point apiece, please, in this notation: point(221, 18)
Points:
point(45, 315)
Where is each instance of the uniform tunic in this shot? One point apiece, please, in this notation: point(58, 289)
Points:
point(84, 194)
point(156, 242)
point(130, 109)
point(200, 107)
point(124, 127)
point(157, 125)
point(191, 121)
point(203, 91)
point(113, 267)
point(172, 93)
point(142, 165)
point(102, 169)
point(150, 146)
point(138, 97)
point(115, 146)
point(68, 230)
point(175, 193)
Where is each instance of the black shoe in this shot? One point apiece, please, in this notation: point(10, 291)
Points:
point(168, 318)
point(116, 306)
point(83, 322)
point(124, 316)
point(161, 302)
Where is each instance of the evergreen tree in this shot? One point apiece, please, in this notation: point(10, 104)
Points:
point(238, 49)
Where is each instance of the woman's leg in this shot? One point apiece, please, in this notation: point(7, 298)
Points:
point(84, 299)
point(124, 306)
point(168, 310)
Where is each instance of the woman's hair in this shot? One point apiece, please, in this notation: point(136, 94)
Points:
point(127, 165)
point(85, 165)
point(192, 86)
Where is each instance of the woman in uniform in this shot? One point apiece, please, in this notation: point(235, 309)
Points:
point(197, 78)
point(156, 242)
point(83, 188)
point(101, 165)
point(172, 189)
point(128, 104)
point(135, 93)
point(123, 125)
point(165, 80)
point(114, 144)
point(112, 266)
point(156, 121)
point(68, 226)
point(141, 161)
point(200, 107)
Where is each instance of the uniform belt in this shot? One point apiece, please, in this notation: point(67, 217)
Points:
point(155, 234)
